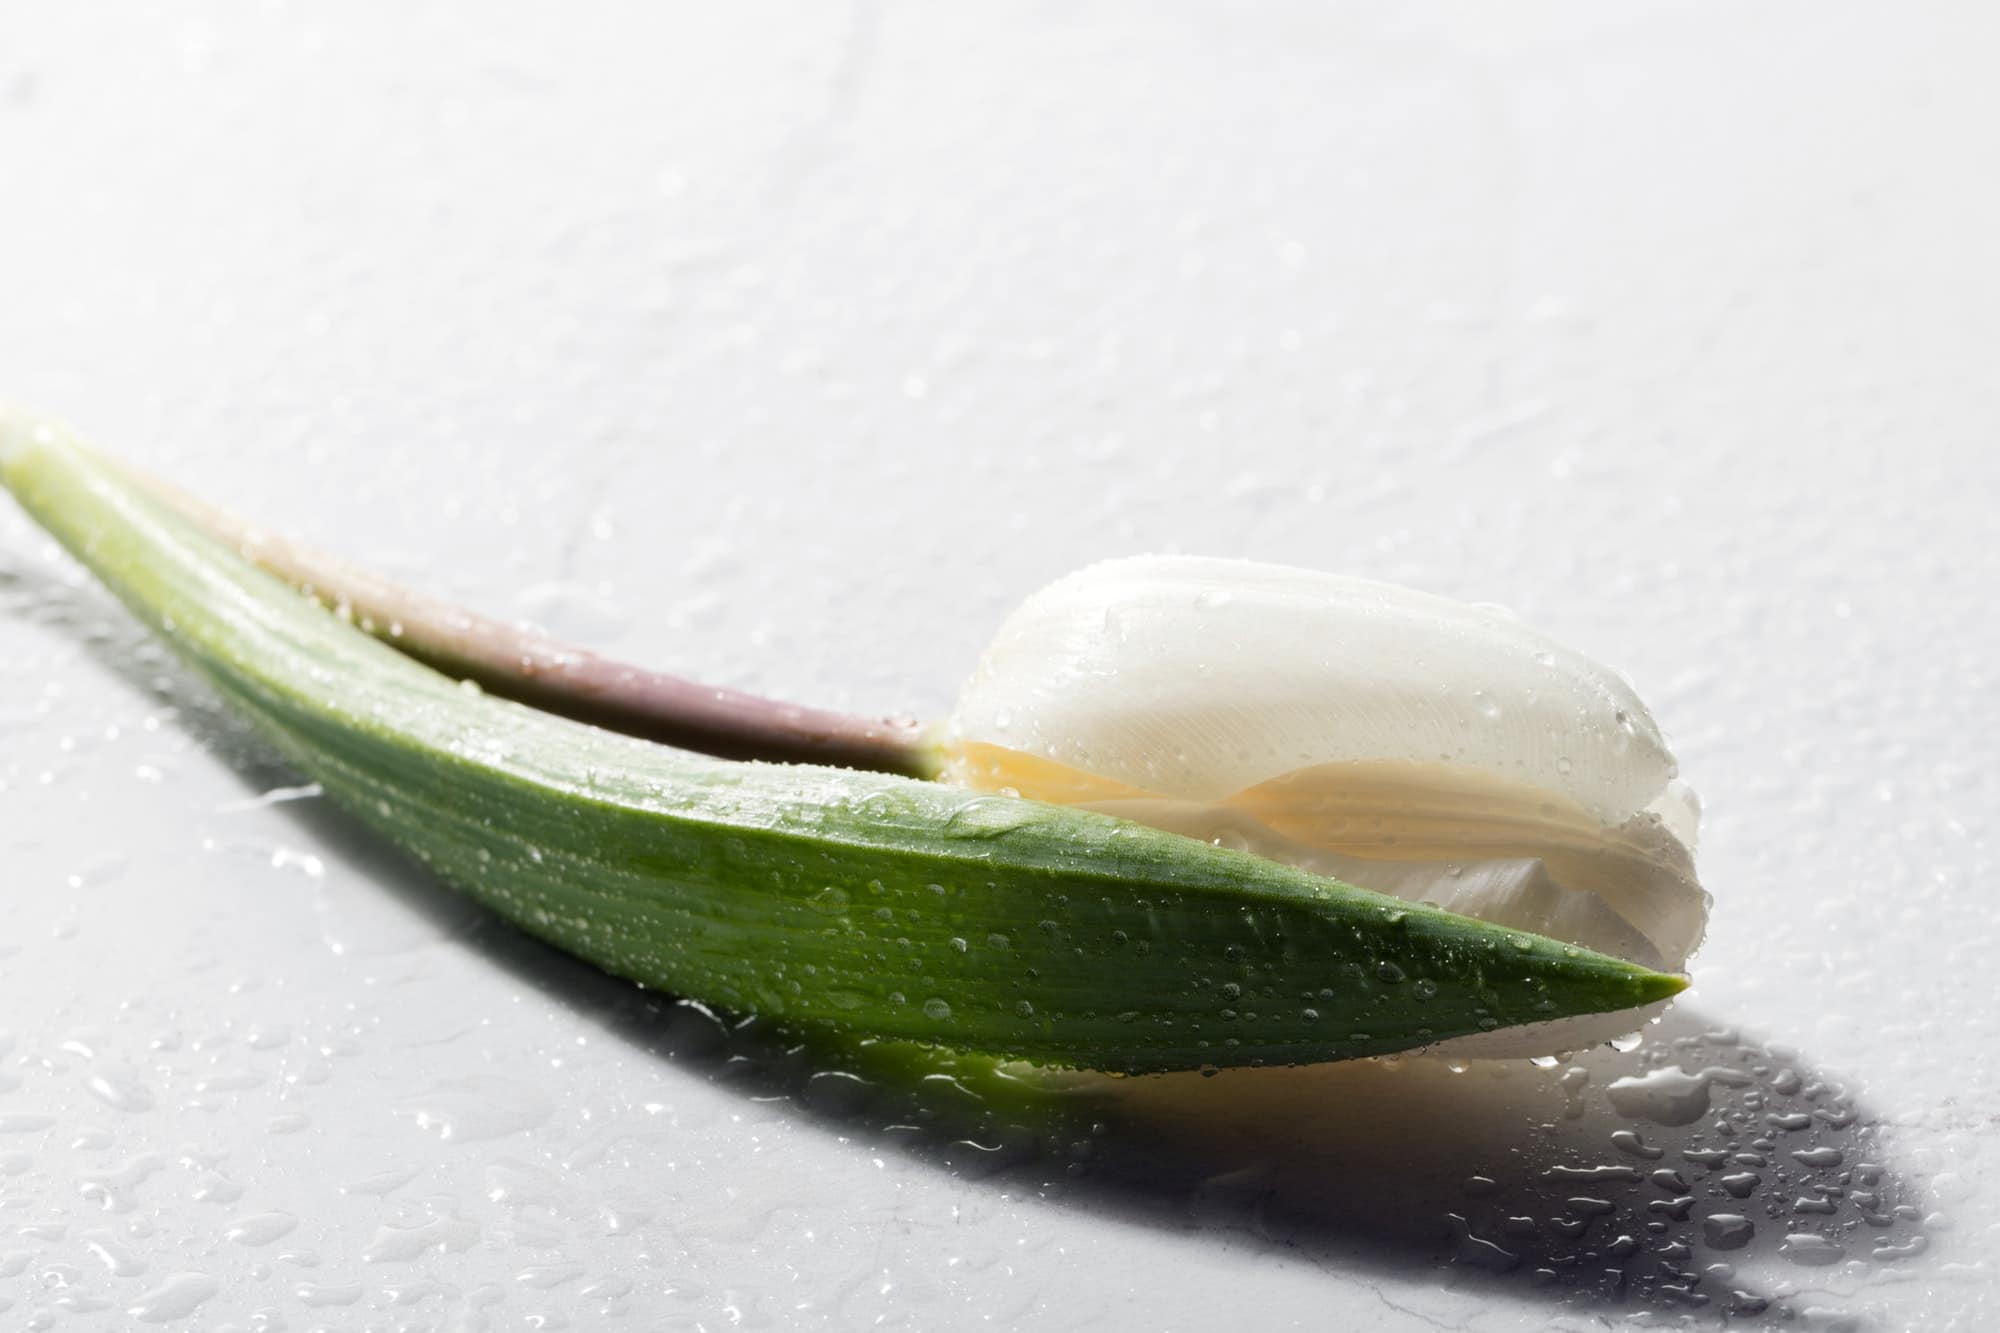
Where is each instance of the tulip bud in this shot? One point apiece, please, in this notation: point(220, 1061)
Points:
point(1421, 747)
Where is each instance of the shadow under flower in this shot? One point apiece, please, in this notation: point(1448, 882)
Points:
point(1693, 1172)
point(1698, 1171)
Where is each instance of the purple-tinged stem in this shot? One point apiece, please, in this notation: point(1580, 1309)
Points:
point(523, 665)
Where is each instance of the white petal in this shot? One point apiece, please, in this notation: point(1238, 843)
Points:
point(1199, 678)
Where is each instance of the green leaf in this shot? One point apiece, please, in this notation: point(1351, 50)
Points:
point(874, 905)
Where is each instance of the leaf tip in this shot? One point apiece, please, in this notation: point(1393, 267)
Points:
point(20, 432)
point(1656, 986)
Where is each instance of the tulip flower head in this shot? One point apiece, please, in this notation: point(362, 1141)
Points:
point(1418, 746)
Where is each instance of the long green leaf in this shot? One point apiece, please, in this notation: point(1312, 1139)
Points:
point(881, 906)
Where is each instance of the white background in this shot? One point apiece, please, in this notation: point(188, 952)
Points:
point(790, 346)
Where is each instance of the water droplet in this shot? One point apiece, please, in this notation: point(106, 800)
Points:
point(1727, 1231)
point(274, 796)
point(1477, 1251)
point(988, 817)
point(176, 1298)
point(837, 1093)
point(261, 1228)
point(1740, 1184)
point(108, 1250)
point(1811, 1250)
point(1627, 1141)
point(1885, 1252)
point(447, 1234)
point(381, 1183)
point(937, 1009)
point(322, 1294)
point(1670, 1096)
point(121, 1089)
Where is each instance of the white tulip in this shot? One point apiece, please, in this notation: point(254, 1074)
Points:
point(1421, 747)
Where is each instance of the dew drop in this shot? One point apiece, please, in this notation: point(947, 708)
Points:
point(1670, 1096)
point(1727, 1231)
point(175, 1298)
point(1811, 1250)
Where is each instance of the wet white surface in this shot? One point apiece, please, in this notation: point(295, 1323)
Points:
point(792, 346)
